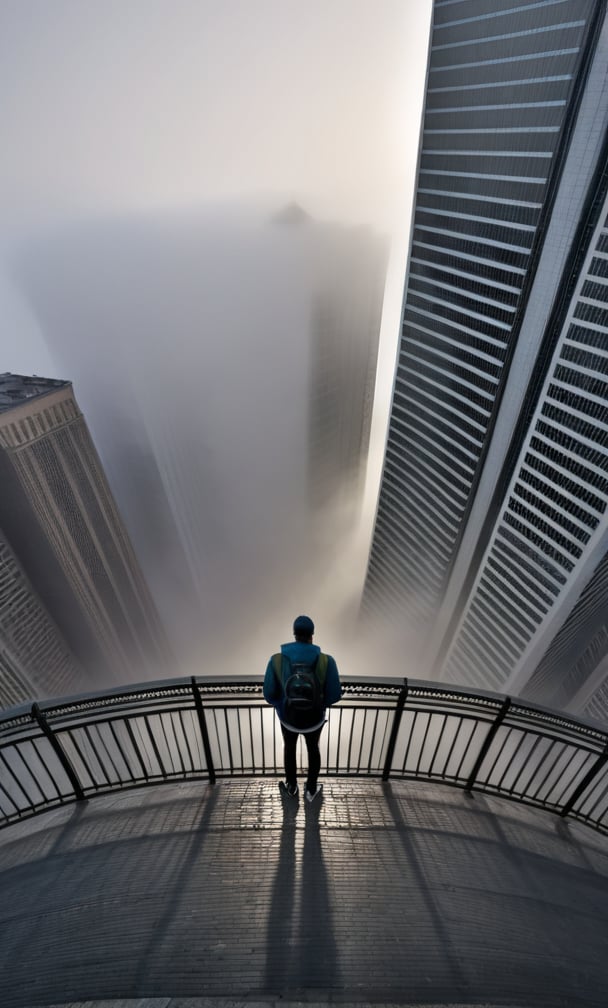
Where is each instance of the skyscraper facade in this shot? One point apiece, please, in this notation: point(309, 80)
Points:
point(59, 516)
point(35, 660)
point(488, 555)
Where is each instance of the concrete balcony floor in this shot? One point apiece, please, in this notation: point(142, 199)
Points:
point(184, 896)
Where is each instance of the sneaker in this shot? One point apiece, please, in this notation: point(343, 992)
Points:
point(311, 796)
point(291, 790)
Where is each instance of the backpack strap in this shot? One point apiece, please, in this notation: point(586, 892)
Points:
point(322, 669)
point(277, 664)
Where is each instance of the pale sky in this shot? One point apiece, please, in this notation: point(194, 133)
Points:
point(145, 103)
point(113, 106)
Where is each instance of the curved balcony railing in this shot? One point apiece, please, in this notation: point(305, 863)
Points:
point(57, 752)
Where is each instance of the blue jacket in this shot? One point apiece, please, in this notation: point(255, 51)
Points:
point(298, 651)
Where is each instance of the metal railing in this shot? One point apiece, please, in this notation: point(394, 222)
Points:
point(57, 752)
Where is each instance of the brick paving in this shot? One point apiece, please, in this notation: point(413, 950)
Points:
point(188, 896)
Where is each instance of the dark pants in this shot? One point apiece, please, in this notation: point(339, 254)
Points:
point(290, 740)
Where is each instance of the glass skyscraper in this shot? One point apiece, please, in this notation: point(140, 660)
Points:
point(491, 521)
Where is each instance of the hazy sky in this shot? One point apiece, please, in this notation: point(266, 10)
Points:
point(120, 105)
point(144, 103)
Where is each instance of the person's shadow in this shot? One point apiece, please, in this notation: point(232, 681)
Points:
point(280, 924)
point(318, 963)
point(301, 951)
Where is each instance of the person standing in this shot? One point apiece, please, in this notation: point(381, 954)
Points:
point(301, 682)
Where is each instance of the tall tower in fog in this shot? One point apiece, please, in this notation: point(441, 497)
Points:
point(343, 270)
point(489, 555)
point(346, 312)
point(59, 516)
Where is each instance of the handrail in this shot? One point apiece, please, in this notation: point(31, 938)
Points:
point(58, 751)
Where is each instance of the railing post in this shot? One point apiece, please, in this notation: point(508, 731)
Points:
point(595, 769)
point(200, 710)
point(483, 752)
point(390, 752)
point(58, 750)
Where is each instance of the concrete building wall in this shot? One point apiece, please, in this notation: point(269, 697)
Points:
point(35, 660)
point(62, 521)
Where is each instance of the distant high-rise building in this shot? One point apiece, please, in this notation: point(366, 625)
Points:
point(346, 312)
point(490, 545)
point(343, 271)
point(59, 516)
point(35, 660)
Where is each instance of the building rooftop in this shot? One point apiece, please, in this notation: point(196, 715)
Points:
point(189, 895)
point(16, 389)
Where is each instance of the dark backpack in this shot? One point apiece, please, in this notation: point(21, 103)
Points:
point(303, 686)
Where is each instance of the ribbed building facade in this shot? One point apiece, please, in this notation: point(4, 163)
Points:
point(491, 524)
point(59, 516)
point(35, 660)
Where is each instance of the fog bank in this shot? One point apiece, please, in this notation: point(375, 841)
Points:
point(199, 355)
